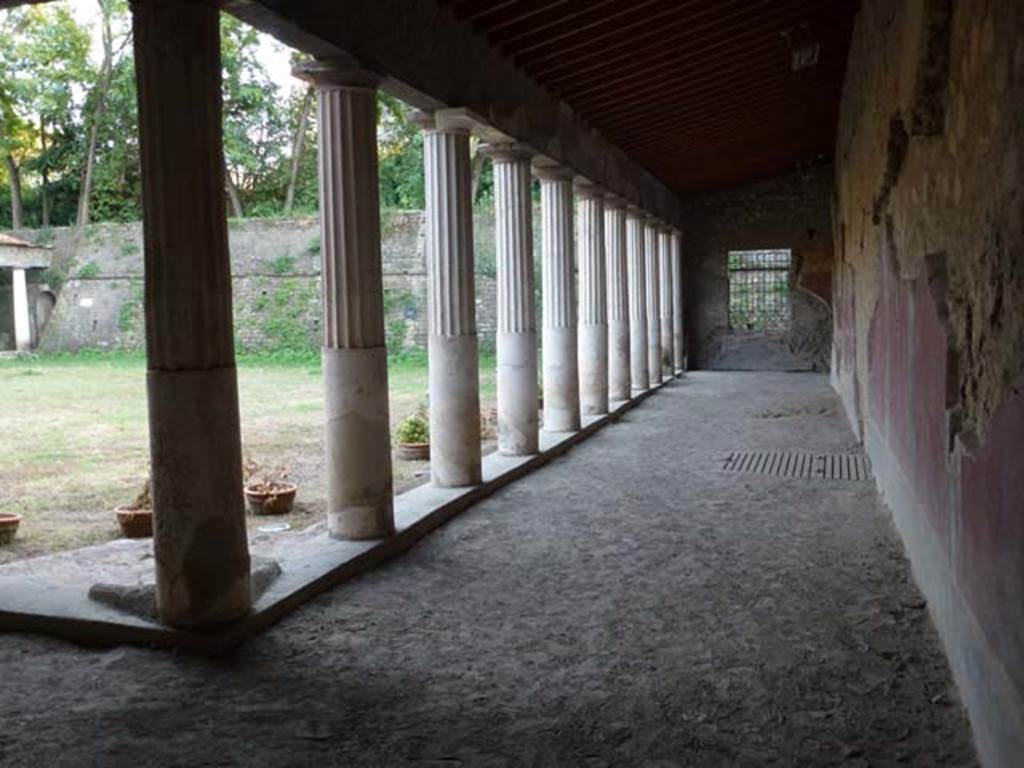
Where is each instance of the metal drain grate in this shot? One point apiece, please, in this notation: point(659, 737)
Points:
point(822, 466)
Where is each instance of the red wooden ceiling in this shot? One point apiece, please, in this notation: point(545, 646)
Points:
point(701, 92)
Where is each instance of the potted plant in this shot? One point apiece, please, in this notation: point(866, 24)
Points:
point(268, 492)
point(9, 523)
point(136, 519)
point(413, 436)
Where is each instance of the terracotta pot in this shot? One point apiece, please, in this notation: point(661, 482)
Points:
point(413, 451)
point(9, 523)
point(278, 502)
point(135, 523)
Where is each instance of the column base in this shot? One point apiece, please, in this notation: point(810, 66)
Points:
point(517, 394)
point(561, 381)
point(454, 411)
point(200, 542)
point(359, 480)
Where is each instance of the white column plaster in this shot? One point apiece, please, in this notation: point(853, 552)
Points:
point(560, 363)
point(451, 306)
point(637, 286)
point(618, 299)
point(593, 309)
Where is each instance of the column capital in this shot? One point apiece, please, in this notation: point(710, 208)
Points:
point(587, 189)
point(635, 212)
point(459, 120)
point(337, 73)
point(505, 151)
point(546, 169)
point(614, 201)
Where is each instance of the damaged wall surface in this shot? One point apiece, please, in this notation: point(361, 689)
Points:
point(792, 212)
point(929, 323)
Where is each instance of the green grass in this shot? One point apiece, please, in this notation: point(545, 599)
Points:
point(75, 435)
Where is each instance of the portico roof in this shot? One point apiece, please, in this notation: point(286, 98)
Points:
point(19, 254)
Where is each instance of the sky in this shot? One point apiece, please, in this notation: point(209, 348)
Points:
point(272, 54)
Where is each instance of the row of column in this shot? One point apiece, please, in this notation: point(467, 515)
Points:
point(622, 336)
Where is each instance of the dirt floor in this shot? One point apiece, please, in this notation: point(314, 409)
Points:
point(74, 441)
point(630, 604)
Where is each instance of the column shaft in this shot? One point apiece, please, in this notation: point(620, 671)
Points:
point(618, 300)
point(637, 287)
point(652, 282)
point(561, 372)
point(200, 542)
point(677, 303)
point(22, 324)
point(451, 307)
point(665, 300)
point(517, 328)
point(355, 364)
point(593, 314)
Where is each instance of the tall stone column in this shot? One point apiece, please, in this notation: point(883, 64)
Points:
point(677, 302)
point(199, 538)
point(652, 241)
point(561, 372)
point(618, 298)
point(22, 324)
point(593, 311)
point(451, 304)
point(517, 328)
point(355, 361)
point(636, 278)
point(667, 305)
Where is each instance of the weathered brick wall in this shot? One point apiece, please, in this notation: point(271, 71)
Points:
point(276, 269)
point(789, 212)
point(929, 327)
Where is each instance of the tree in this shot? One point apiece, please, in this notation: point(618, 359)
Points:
point(112, 49)
point(256, 134)
point(400, 155)
point(298, 144)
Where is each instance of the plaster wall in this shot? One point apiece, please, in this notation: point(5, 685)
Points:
point(792, 212)
point(929, 324)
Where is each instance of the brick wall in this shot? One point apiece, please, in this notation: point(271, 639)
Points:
point(276, 269)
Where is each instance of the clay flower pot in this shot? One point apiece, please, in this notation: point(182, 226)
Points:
point(135, 523)
point(9, 523)
point(413, 451)
point(275, 499)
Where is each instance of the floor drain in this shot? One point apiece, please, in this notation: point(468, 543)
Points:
point(821, 466)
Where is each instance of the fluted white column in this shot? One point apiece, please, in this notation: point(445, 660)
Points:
point(22, 325)
point(618, 298)
point(636, 279)
point(560, 364)
point(593, 312)
point(451, 306)
point(200, 544)
point(517, 330)
point(652, 243)
point(355, 363)
point(677, 302)
point(666, 304)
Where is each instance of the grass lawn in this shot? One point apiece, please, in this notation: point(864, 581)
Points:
point(74, 438)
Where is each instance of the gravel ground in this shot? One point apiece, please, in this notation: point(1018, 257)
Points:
point(629, 604)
